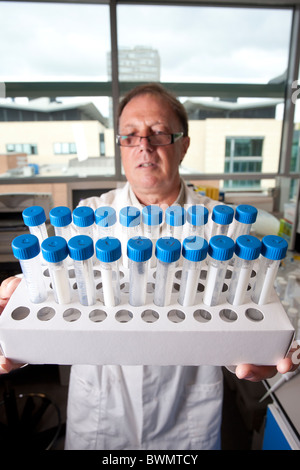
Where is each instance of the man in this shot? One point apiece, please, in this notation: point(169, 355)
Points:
point(149, 407)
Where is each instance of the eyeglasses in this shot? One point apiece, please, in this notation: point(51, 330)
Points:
point(155, 139)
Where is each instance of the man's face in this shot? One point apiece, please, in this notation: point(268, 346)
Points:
point(147, 167)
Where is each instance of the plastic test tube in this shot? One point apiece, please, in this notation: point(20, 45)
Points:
point(220, 250)
point(222, 217)
point(108, 252)
point(152, 217)
point(196, 219)
point(34, 217)
point(130, 219)
point(26, 249)
point(84, 219)
point(247, 250)
point(81, 250)
point(139, 252)
point(61, 219)
point(194, 250)
point(167, 251)
point(55, 252)
point(245, 216)
point(273, 250)
point(175, 217)
point(105, 220)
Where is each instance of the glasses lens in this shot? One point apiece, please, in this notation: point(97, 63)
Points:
point(159, 139)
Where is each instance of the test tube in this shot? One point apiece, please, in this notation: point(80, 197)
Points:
point(167, 252)
point(130, 219)
point(175, 217)
point(61, 219)
point(273, 250)
point(152, 217)
point(55, 252)
point(245, 215)
point(81, 250)
point(84, 219)
point(108, 252)
point(26, 249)
point(196, 219)
point(105, 220)
point(247, 250)
point(139, 252)
point(291, 288)
point(220, 250)
point(34, 217)
point(194, 250)
point(222, 217)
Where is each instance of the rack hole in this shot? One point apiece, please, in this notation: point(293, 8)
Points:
point(228, 315)
point(124, 316)
point(150, 287)
point(253, 314)
point(46, 313)
point(200, 287)
point(125, 287)
point(178, 274)
point(150, 316)
point(97, 315)
point(176, 316)
point(202, 315)
point(20, 313)
point(71, 314)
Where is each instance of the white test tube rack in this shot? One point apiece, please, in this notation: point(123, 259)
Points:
point(49, 333)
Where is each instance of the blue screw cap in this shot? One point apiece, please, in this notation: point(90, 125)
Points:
point(108, 249)
point(167, 249)
point(83, 216)
point(175, 216)
point(129, 216)
point(25, 246)
point(197, 215)
point(33, 216)
point(152, 215)
point(221, 247)
point(247, 247)
point(60, 216)
point(105, 216)
point(194, 248)
point(81, 247)
point(139, 248)
point(222, 214)
point(246, 214)
point(274, 247)
point(54, 249)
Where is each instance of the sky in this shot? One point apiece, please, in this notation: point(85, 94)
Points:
point(47, 41)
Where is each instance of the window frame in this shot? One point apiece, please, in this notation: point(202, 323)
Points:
point(115, 89)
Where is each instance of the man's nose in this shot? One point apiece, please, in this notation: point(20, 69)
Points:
point(144, 142)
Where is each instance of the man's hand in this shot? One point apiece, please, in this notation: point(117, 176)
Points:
point(258, 373)
point(7, 288)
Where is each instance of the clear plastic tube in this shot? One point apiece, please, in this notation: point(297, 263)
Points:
point(194, 251)
point(34, 217)
point(26, 249)
point(167, 251)
point(220, 251)
point(222, 217)
point(152, 219)
point(55, 253)
point(245, 216)
point(105, 221)
point(175, 217)
point(108, 252)
point(273, 250)
point(247, 250)
point(139, 251)
point(81, 250)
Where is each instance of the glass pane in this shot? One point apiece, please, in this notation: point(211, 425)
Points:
point(236, 134)
point(295, 156)
point(72, 137)
point(52, 41)
point(208, 44)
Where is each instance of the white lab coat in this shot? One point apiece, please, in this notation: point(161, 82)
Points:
point(144, 407)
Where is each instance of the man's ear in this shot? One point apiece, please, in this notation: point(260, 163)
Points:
point(185, 146)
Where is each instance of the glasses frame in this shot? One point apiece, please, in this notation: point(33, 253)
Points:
point(173, 138)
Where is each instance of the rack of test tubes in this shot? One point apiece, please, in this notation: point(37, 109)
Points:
point(111, 290)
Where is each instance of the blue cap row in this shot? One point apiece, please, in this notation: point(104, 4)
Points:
point(167, 249)
point(129, 216)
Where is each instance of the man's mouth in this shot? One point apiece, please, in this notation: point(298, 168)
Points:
point(146, 165)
